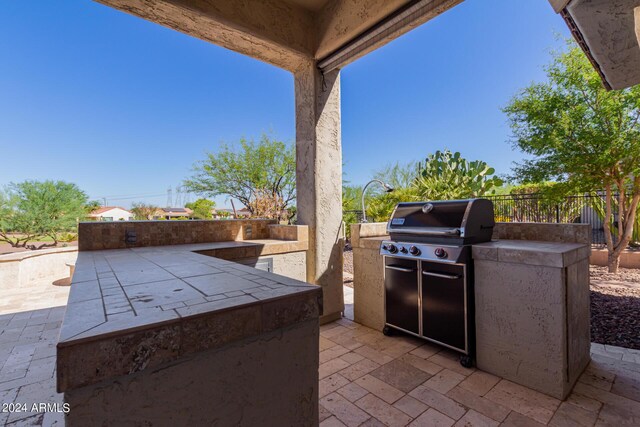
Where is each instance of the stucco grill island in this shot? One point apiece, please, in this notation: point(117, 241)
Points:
point(529, 300)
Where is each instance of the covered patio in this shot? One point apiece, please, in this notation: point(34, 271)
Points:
point(366, 379)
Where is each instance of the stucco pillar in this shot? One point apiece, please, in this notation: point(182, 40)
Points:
point(319, 180)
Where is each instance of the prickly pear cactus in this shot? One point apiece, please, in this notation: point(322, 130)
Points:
point(448, 175)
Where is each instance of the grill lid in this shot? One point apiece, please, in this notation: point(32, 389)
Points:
point(453, 221)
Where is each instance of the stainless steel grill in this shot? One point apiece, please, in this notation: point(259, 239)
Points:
point(429, 270)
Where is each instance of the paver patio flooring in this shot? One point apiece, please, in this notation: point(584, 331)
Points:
point(366, 379)
point(369, 379)
point(27, 366)
point(42, 294)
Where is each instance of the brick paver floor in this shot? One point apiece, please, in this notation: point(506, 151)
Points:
point(27, 367)
point(42, 294)
point(366, 379)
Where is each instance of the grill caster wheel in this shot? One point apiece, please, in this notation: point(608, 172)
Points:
point(387, 331)
point(466, 361)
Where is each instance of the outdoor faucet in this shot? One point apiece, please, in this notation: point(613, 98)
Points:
point(387, 188)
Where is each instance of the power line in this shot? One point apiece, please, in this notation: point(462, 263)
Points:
point(182, 196)
point(129, 197)
point(117, 196)
point(138, 197)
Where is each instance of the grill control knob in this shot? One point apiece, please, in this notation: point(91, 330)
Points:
point(414, 251)
point(440, 253)
point(403, 250)
point(391, 248)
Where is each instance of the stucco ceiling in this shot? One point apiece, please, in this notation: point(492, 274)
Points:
point(290, 33)
point(606, 30)
point(313, 5)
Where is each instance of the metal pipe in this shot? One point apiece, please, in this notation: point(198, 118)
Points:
point(387, 188)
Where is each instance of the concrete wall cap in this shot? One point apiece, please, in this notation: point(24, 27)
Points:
point(19, 256)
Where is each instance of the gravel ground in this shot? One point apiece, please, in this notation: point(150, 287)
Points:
point(615, 304)
point(615, 307)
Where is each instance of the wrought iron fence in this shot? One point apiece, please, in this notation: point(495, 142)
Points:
point(356, 213)
point(580, 209)
point(536, 207)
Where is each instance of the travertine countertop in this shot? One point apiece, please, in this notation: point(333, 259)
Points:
point(130, 309)
point(552, 254)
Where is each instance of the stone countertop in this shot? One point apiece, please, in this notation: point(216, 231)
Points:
point(552, 254)
point(132, 309)
point(532, 252)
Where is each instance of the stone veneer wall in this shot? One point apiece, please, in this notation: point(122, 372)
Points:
point(545, 232)
point(111, 235)
point(267, 380)
point(289, 232)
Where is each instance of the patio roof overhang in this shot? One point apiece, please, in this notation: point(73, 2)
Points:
point(609, 33)
point(285, 33)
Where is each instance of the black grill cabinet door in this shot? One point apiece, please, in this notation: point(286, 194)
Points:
point(443, 304)
point(401, 293)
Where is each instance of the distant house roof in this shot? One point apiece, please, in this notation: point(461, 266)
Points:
point(100, 211)
point(176, 211)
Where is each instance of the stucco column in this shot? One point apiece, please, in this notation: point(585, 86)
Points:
point(319, 180)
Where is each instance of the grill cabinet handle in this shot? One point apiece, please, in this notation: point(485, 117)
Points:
point(441, 275)
point(426, 231)
point(403, 269)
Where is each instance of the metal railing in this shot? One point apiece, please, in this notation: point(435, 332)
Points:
point(537, 207)
point(357, 214)
point(579, 209)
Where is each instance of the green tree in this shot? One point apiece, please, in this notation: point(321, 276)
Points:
point(380, 204)
point(449, 176)
point(143, 211)
point(351, 199)
point(584, 137)
point(91, 206)
point(398, 175)
point(201, 208)
point(380, 207)
point(33, 210)
point(248, 171)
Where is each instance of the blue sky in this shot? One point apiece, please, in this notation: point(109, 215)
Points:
point(123, 107)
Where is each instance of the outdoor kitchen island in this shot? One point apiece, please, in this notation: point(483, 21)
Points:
point(166, 335)
point(531, 300)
